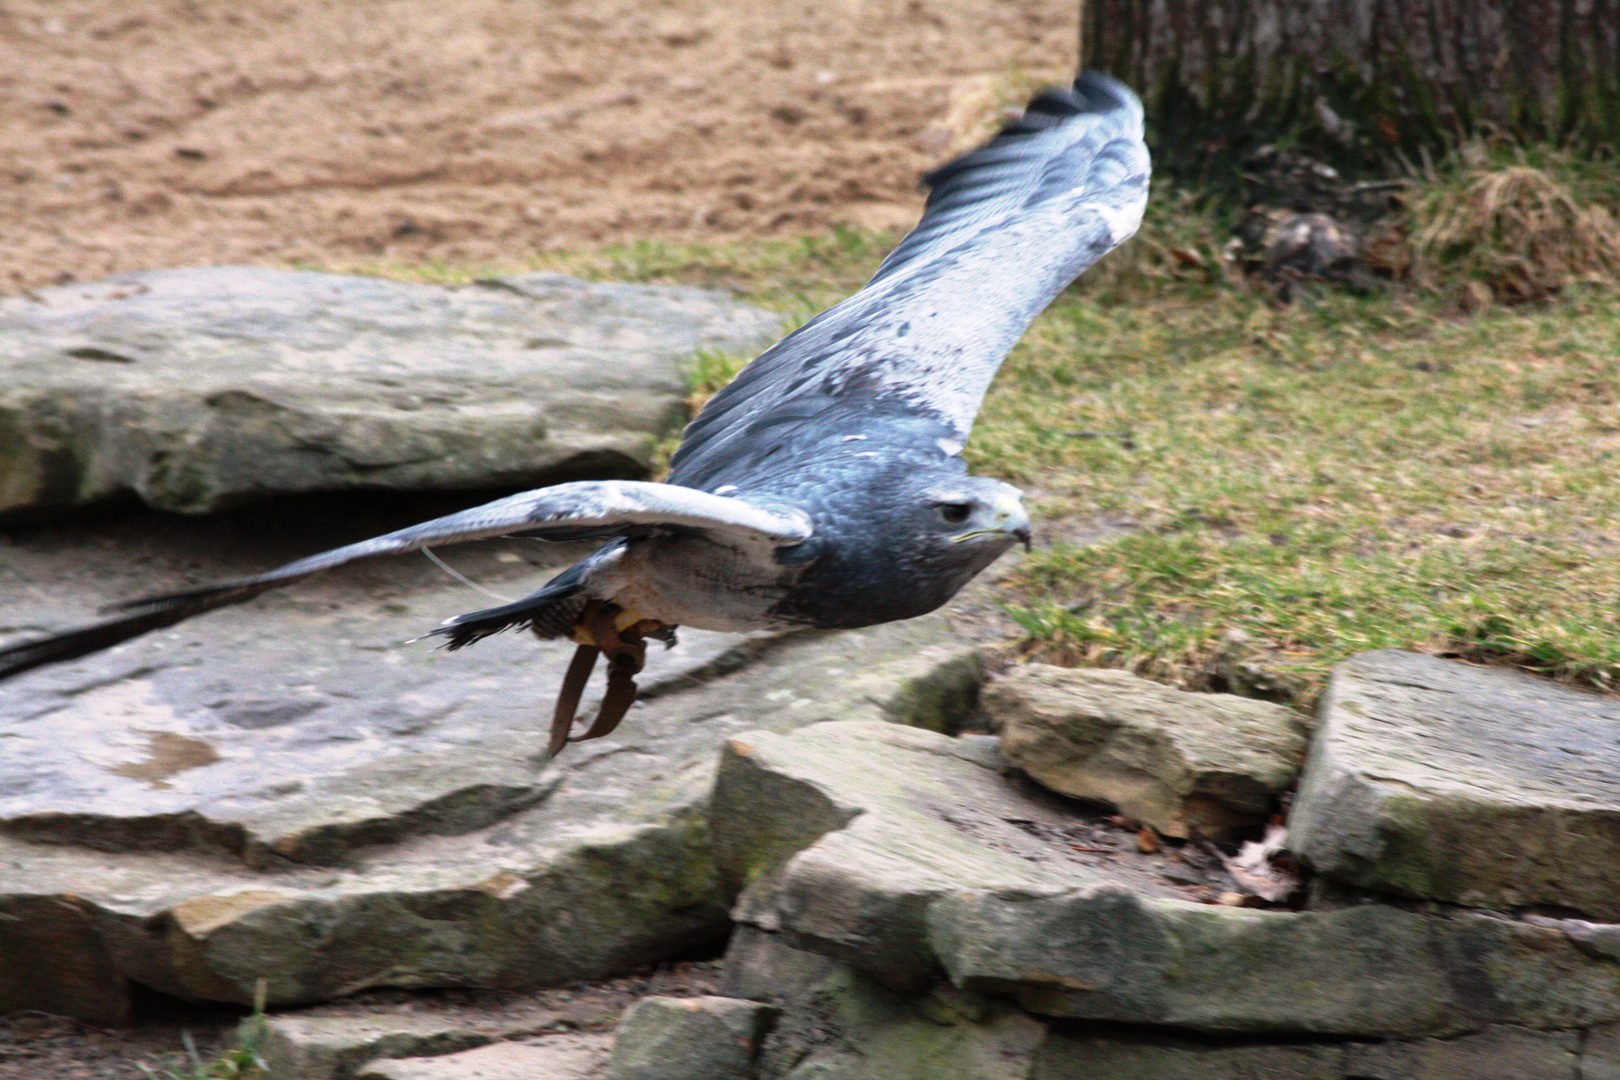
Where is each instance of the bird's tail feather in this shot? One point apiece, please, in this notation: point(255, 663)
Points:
point(140, 617)
point(550, 613)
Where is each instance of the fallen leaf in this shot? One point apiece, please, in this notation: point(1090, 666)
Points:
point(1254, 871)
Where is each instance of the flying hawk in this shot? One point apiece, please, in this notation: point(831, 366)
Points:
point(824, 487)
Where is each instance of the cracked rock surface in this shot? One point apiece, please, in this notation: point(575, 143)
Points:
point(293, 790)
point(202, 388)
point(904, 854)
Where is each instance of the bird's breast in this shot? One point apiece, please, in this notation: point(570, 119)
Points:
point(695, 582)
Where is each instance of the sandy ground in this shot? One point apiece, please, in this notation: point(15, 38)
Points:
point(137, 134)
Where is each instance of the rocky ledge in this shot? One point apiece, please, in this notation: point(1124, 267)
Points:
point(907, 856)
point(197, 389)
point(325, 806)
point(1470, 785)
point(910, 905)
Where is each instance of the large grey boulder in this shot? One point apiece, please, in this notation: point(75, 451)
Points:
point(838, 1023)
point(1177, 761)
point(1480, 786)
point(196, 389)
point(903, 853)
point(285, 790)
point(691, 1038)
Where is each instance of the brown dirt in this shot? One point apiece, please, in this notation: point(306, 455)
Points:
point(37, 1046)
point(137, 134)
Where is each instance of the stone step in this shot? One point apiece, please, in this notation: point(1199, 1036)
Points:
point(1477, 786)
point(554, 1057)
point(838, 1024)
point(438, 852)
point(902, 853)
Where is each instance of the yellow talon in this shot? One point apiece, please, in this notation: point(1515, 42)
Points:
point(624, 620)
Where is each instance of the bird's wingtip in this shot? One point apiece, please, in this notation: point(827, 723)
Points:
point(1103, 93)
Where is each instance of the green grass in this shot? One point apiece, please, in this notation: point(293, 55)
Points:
point(242, 1061)
point(798, 276)
point(1321, 480)
point(1282, 487)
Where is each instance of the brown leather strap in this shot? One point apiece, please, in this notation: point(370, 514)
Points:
point(573, 688)
point(626, 652)
point(621, 692)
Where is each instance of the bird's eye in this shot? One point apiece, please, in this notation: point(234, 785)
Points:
point(955, 513)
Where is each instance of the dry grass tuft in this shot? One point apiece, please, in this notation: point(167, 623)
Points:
point(1511, 232)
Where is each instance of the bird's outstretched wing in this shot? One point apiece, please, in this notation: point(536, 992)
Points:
point(1006, 228)
point(576, 511)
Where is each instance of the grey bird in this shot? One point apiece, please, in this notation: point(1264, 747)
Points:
point(824, 487)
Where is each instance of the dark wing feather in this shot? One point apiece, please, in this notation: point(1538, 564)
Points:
point(1006, 228)
point(595, 509)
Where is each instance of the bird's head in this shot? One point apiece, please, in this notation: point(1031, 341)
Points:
point(919, 539)
point(978, 514)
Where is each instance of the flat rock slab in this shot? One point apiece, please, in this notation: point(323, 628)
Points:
point(195, 389)
point(901, 852)
point(288, 733)
point(837, 1024)
point(336, 1040)
point(287, 790)
point(1479, 786)
point(555, 1057)
point(1501, 1053)
point(870, 827)
point(337, 1047)
point(831, 1022)
point(1177, 761)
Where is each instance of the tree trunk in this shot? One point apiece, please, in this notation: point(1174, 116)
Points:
point(1361, 79)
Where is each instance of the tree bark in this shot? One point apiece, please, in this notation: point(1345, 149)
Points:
point(1362, 77)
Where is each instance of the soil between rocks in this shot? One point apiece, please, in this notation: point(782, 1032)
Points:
point(138, 134)
point(36, 1046)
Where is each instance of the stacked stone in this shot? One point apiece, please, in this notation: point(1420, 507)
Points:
point(910, 909)
point(906, 929)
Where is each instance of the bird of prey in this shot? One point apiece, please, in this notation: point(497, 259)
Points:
point(824, 487)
